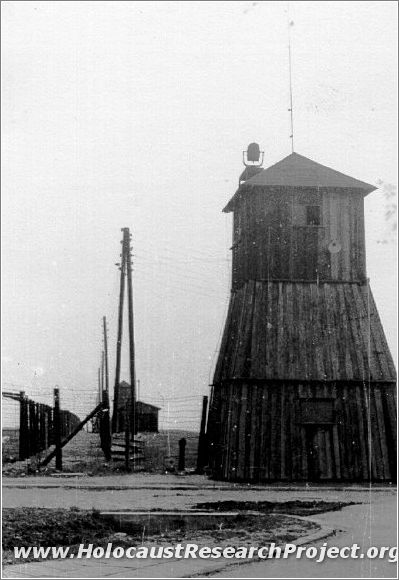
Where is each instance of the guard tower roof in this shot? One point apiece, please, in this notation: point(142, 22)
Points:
point(298, 171)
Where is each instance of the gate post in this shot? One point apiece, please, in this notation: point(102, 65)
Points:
point(182, 455)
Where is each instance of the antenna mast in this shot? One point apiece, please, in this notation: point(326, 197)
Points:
point(291, 109)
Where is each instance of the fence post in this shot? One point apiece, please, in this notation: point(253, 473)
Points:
point(57, 430)
point(182, 454)
point(22, 426)
point(35, 425)
point(46, 427)
point(105, 427)
point(41, 432)
point(202, 443)
point(127, 436)
point(31, 442)
point(50, 414)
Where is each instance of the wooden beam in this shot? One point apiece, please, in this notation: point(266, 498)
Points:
point(73, 433)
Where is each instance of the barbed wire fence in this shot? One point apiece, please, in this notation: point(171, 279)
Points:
point(179, 418)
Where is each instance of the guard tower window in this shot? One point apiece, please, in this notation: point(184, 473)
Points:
point(313, 215)
point(317, 411)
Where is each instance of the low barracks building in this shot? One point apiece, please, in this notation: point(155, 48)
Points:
point(146, 414)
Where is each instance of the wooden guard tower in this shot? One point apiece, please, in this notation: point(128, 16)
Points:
point(304, 386)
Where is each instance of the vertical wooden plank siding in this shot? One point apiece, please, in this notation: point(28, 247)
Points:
point(382, 434)
point(329, 454)
point(303, 331)
point(236, 428)
point(376, 440)
point(217, 422)
point(283, 433)
point(264, 454)
point(254, 430)
point(372, 462)
point(390, 405)
point(242, 426)
point(271, 238)
point(364, 460)
point(265, 440)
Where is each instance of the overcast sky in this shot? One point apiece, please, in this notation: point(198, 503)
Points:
point(136, 114)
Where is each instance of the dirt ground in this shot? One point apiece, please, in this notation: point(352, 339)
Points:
point(57, 527)
point(10, 444)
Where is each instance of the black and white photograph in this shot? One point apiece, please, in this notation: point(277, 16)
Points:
point(199, 289)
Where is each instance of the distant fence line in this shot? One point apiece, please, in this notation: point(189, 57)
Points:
point(37, 428)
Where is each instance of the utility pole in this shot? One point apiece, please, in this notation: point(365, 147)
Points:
point(105, 424)
point(122, 268)
point(102, 382)
point(127, 251)
point(106, 353)
point(100, 391)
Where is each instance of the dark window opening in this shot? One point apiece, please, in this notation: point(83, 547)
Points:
point(317, 411)
point(313, 215)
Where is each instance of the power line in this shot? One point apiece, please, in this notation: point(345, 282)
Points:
point(193, 281)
